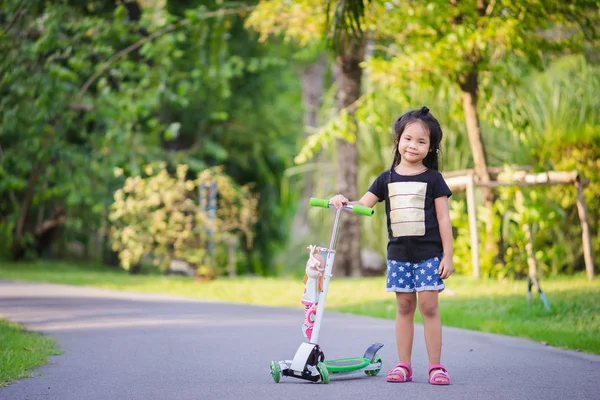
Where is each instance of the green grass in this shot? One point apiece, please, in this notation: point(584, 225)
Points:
point(489, 306)
point(22, 351)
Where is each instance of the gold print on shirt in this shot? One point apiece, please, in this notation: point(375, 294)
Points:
point(407, 208)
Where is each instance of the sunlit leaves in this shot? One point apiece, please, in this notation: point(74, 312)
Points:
point(158, 214)
point(430, 39)
point(302, 21)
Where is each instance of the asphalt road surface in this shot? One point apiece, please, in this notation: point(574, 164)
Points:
point(131, 346)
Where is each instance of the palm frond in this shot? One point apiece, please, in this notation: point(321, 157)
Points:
point(344, 18)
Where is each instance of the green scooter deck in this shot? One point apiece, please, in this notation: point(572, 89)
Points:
point(346, 364)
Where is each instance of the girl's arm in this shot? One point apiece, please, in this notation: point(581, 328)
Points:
point(368, 200)
point(442, 210)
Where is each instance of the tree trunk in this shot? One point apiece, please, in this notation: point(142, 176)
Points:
point(349, 74)
point(24, 211)
point(48, 229)
point(312, 77)
point(469, 87)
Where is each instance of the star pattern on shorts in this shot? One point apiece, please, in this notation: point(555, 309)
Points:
point(405, 275)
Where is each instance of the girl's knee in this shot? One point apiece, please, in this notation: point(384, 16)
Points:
point(406, 305)
point(429, 309)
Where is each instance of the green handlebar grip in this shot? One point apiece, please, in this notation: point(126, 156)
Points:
point(318, 202)
point(362, 210)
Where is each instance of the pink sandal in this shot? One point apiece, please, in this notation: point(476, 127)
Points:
point(398, 375)
point(440, 376)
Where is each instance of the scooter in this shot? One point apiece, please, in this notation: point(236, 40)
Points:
point(309, 361)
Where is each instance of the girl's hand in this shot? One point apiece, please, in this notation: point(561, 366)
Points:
point(338, 201)
point(446, 267)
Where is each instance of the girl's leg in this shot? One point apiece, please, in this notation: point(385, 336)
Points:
point(432, 324)
point(405, 325)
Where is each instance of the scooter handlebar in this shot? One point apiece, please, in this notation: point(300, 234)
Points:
point(356, 209)
point(318, 202)
point(362, 210)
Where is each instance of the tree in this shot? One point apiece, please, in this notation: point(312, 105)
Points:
point(307, 21)
point(470, 41)
point(350, 55)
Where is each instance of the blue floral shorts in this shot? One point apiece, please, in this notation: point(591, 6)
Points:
point(411, 277)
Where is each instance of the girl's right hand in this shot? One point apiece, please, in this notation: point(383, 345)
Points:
point(338, 201)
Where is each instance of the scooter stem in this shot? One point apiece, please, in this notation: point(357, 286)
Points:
point(327, 274)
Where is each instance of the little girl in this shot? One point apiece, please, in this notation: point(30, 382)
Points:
point(419, 250)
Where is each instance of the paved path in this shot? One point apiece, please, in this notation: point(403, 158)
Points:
point(130, 346)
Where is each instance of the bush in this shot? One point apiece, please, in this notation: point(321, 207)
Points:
point(159, 216)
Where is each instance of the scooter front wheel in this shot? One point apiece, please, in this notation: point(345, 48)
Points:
point(322, 368)
point(374, 372)
point(275, 371)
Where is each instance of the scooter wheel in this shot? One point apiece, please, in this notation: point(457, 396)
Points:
point(275, 371)
point(322, 368)
point(374, 372)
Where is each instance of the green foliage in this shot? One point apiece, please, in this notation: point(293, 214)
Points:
point(550, 121)
point(159, 216)
point(443, 39)
point(301, 21)
point(89, 87)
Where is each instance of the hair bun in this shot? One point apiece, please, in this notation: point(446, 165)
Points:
point(424, 110)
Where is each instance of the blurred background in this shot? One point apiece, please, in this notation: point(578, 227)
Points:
point(173, 136)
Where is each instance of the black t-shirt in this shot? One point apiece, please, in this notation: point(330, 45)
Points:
point(413, 229)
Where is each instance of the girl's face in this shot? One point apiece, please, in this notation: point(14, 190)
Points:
point(413, 145)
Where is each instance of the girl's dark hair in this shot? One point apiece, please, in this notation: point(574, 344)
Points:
point(435, 135)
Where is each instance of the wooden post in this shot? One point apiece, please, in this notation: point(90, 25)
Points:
point(459, 180)
point(472, 213)
point(585, 230)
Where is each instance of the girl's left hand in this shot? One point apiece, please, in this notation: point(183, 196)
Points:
point(446, 267)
